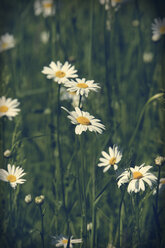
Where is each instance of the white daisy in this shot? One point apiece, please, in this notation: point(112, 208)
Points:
point(13, 175)
point(158, 28)
point(70, 96)
point(81, 87)
point(8, 107)
point(60, 73)
point(45, 7)
point(161, 186)
point(84, 121)
point(135, 177)
point(63, 241)
point(7, 41)
point(111, 159)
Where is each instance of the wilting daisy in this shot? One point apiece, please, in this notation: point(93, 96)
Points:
point(135, 177)
point(81, 87)
point(111, 159)
point(45, 7)
point(13, 175)
point(161, 186)
point(84, 121)
point(7, 41)
point(8, 107)
point(63, 241)
point(158, 28)
point(60, 73)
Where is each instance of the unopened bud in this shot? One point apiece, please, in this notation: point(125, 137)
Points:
point(28, 199)
point(159, 160)
point(39, 200)
point(7, 153)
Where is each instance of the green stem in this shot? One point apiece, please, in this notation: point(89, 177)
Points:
point(120, 208)
point(42, 226)
point(61, 169)
point(93, 205)
point(84, 208)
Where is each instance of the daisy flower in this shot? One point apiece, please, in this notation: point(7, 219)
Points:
point(84, 121)
point(111, 159)
point(158, 28)
point(44, 7)
point(8, 107)
point(7, 41)
point(81, 87)
point(161, 186)
point(70, 96)
point(136, 177)
point(63, 241)
point(13, 175)
point(60, 73)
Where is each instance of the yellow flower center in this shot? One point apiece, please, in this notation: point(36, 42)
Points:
point(112, 161)
point(82, 85)
point(73, 93)
point(47, 5)
point(3, 109)
point(60, 74)
point(4, 45)
point(137, 175)
point(83, 120)
point(64, 241)
point(117, 1)
point(162, 30)
point(162, 181)
point(11, 178)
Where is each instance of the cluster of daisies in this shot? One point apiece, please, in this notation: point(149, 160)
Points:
point(133, 177)
point(66, 75)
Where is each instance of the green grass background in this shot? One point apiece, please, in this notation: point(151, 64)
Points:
point(114, 59)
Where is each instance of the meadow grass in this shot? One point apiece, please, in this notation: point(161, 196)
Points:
point(105, 46)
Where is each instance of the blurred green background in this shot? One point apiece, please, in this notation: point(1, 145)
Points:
point(104, 45)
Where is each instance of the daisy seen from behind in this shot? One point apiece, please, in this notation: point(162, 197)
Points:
point(110, 159)
point(8, 107)
point(136, 178)
point(84, 121)
point(158, 28)
point(63, 241)
point(60, 73)
point(45, 7)
point(7, 41)
point(114, 3)
point(81, 86)
point(13, 175)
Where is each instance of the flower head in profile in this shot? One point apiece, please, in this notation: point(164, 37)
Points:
point(159, 160)
point(60, 73)
point(13, 175)
point(136, 178)
point(8, 107)
point(81, 86)
point(63, 241)
point(158, 28)
point(110, 159)
point(7, 41)
point(45, 7)
point(84, 121)
point(161, 186)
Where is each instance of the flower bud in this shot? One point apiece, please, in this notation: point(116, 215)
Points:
point(28, 199)
point(7, 153)
point(159, 160)
point(39, 200)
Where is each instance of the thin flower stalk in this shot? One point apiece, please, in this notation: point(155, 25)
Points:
point(42, 226)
